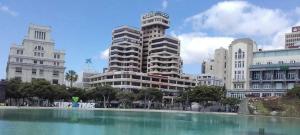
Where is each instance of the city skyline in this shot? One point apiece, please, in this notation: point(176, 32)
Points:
point(92, 34)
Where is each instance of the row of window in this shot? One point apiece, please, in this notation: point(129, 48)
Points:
point(34, 71)
point(39, 35)
point(54, 81)
point(279, 62)
point(239, 64)
point(239, 54)
point(238, 86)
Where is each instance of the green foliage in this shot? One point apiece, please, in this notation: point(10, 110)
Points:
point(126, 98)
point(72, 77)
point(294, 93)
point(232, 102)
point(273, 105)
point(150, 94)
point(203, 94)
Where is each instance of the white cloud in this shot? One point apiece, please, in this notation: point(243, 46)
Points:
point(5, 9)
point(197, 47)
point(164, 4)
point(240, 17)
point(104, 54)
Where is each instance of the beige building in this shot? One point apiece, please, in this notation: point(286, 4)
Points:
point(216, 67)
point(36, 57)
point(292, 40)
point(240, 57)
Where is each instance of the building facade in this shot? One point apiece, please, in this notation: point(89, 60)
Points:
point(292, 40)
point(216, 67)
point(126, 50)
point(274, 72)
point(208, 80)
point(36, 57)
point(240, 56)
point(145, 58)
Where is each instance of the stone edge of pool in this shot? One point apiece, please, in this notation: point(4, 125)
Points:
point(116, 109)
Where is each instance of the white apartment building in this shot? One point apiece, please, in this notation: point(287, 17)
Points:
point(126, 50)
point(240, 57)
point(36, 57)
point(145, 58)
point(292, 40)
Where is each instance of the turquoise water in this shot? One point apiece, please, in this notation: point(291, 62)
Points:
point(84, 122)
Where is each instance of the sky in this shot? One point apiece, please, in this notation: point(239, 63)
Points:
point(83, 28)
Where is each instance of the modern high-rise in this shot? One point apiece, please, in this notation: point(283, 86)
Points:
point(144, 58)
point(292, 40)
point(126, 50)
point(36, 57)
point(161, 53)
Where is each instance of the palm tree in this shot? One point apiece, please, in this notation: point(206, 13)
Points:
point(71, 76)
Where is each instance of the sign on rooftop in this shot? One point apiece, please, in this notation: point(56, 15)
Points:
point(296, 29)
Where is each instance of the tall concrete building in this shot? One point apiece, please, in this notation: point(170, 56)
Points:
point(144, 58)
point(36, 57)
point(240, 56)
point(161, 53)
point(292, 40)
point(216, 67)
point(126, 50)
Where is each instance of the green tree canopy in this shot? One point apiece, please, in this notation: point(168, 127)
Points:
point(72, 77)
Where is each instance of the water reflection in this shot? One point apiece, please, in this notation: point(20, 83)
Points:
point(146, 123)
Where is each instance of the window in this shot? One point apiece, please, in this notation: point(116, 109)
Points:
point(20, 52)
point(35, 61)
point(18, 70)
point(280, 62)
point(54, 81)
point(55, 73)
point(39, 48)
point(292, 62)
point(269, 63)
point(56, 56)
point(41, 62)
point(41, 72)
point(19, 60)
point(34, 71)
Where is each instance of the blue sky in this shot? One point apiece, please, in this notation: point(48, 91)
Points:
point(83, 28)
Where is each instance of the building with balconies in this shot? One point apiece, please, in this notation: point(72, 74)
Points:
point(164, 57)
point(145, 58)
point(36, 57)
point(274, 72)
point(125, 53)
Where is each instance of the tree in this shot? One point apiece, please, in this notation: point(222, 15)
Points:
point(77, 92)
point(185, 98)
point(232, 102)
point(107, 93)
point(12, 91)
point(203, 94)
point(293, 93)
point(126, 98)
point(150, 95)
point(72, 77)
